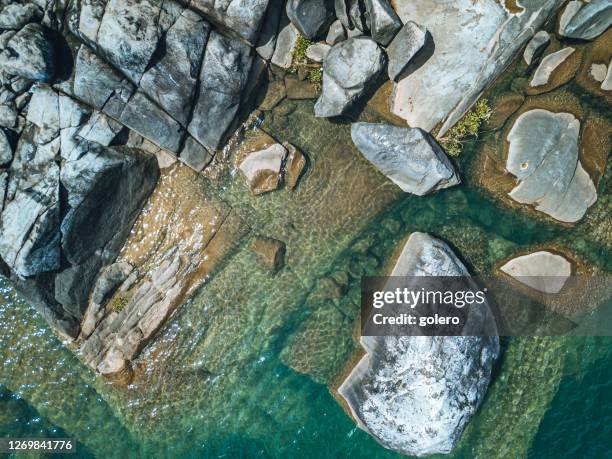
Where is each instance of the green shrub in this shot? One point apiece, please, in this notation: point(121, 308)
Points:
point(466, 128)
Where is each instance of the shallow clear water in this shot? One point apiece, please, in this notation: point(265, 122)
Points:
point(216, 384)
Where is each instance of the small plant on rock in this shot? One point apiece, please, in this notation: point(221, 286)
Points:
point(466, 128)
point(299, 52)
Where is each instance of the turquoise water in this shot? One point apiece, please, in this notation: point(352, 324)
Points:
point(216, 382)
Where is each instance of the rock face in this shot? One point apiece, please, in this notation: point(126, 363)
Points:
point(14, 15)
point(243, 18)
point(222, 79)
point(408, 156)
point(310, 17)
point(404, 47)
point(536, 47)
point(542, 271)
point(415, 395)
point(543, 156)
point(29, 54)
point(55, 243)
point(384, 22)
point(473, 44)
point(6, 152)
point(548, 65)
point(585, 20)
point(349, 71)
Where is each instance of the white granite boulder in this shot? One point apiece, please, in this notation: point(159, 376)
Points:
point(416, 394)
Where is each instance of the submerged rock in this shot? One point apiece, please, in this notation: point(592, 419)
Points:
point(585, 20)
point(404, 47)
point(548, 65)
point(408, 156)
point(262, 168)
point(270, 251)
point(543, 156)
point(384, 22)
point(294, 165)
point(536, 47)
point(310, 17)
point(29, 54)
point(416, 394)
point(542, 271)
point(349, 71)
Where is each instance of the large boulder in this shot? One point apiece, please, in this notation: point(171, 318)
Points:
point(473, 42)
point(29, 54)
point(585, 20)
point(349, 71)
point(311, 17)
point(410, 157)
point(384, 22)
point(416, 394)
point(543, 156)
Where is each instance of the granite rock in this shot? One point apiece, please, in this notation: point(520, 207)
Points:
point(408, 156)
point(336, 33)
point(311, 18)
point(404, 47)
point(351, 68)
point(416, 394)
point(472, 43)
point(543, 271)
point(223, 77)
point(29, 54)
point(543, 156)
point(548, 65)
point(384, 22)
point(536, 47)
point(262, 169)
point(585, 20)
point(16, 15)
